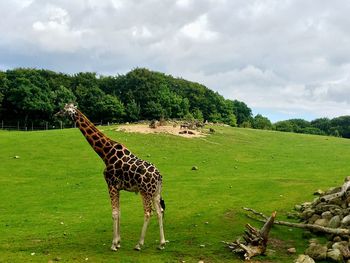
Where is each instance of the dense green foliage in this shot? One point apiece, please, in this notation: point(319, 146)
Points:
point(55, 204)
point(339, 127)
point(32, 95)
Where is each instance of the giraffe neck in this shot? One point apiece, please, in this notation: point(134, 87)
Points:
point(98, 141)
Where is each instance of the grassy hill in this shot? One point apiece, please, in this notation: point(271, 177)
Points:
point(54, 200)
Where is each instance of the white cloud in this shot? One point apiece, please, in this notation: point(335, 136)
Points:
point(199, 29)
point(279, 56)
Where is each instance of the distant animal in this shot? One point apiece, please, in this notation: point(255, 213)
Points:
point(184, 125)
point(124, 171)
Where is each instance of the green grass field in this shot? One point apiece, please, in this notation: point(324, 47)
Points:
point(55, 206)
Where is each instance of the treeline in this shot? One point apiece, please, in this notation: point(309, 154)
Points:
point(339, 126)
point(34, 96)
point(30, 95)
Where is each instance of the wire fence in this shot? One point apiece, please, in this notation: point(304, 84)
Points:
point(40, 125)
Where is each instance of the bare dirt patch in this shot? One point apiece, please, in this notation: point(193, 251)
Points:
point(169, 129)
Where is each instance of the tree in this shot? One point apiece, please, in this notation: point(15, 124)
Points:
point(132, 110)
point(261, 122)
point(153, 110)
point(299, 125)
point(3, 87)
point(30, 101)
point(242, 112)
point(341, 126)
point(285, 126)
point(110, 108)
point(198, 115)
point(215, 117)
point(61, 96)
point(323, 124)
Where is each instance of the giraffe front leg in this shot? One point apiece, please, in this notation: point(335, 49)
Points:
point(116, 230)
point(147, 207)
point(116, 219)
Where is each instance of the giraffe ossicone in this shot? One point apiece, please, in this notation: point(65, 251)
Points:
point(123, 171)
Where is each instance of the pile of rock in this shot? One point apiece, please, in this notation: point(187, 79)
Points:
point(329, 211)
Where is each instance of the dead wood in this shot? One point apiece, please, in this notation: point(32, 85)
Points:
point(342, 192)
point(317, 228)
point(255, 240)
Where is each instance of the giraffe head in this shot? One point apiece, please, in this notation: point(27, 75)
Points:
point(70, 109)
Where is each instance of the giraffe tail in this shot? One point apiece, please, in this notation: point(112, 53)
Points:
point(162, 204)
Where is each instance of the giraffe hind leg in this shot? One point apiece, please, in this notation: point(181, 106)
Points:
point(159, 205)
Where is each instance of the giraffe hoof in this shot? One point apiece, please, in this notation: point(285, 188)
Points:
point(115, 247)
point(161, 247)
point(137, 247)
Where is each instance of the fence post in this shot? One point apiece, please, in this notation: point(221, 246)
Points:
point(32, 127)
point(47, 126)
point(17, 125)
point(61, 123)
point(2, 124)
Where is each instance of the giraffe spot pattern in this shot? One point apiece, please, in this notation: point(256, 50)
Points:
point(130, 173)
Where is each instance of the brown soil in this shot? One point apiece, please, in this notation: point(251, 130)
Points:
point(144, 128)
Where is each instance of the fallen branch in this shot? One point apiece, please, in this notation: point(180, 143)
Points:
point(328, 230)
point(342, 192)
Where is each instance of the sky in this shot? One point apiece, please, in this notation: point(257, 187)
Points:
point(283, 58)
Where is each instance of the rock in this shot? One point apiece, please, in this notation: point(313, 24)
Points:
point(337, 239)
point(335, 255)
point(316, 251)
point(202, 246)
point(334, 222)
point(293, 215)
point(336, 201)
point(194, 168)
point(313, 218)
point(327, 215)
point(292, 250)
point(297, 207)
point(307, 213)
point(347, 179)
point(305, 205)
point(319, 192)
point(343, 247)
point(321, 222)
point(313, 241)
point(347, 200)
point(16, 157)
point(346, 221)
point(304, 259)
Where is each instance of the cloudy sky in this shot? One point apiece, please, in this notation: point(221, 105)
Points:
point(284, 58)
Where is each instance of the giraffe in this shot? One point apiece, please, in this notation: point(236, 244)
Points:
point(123, 171)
